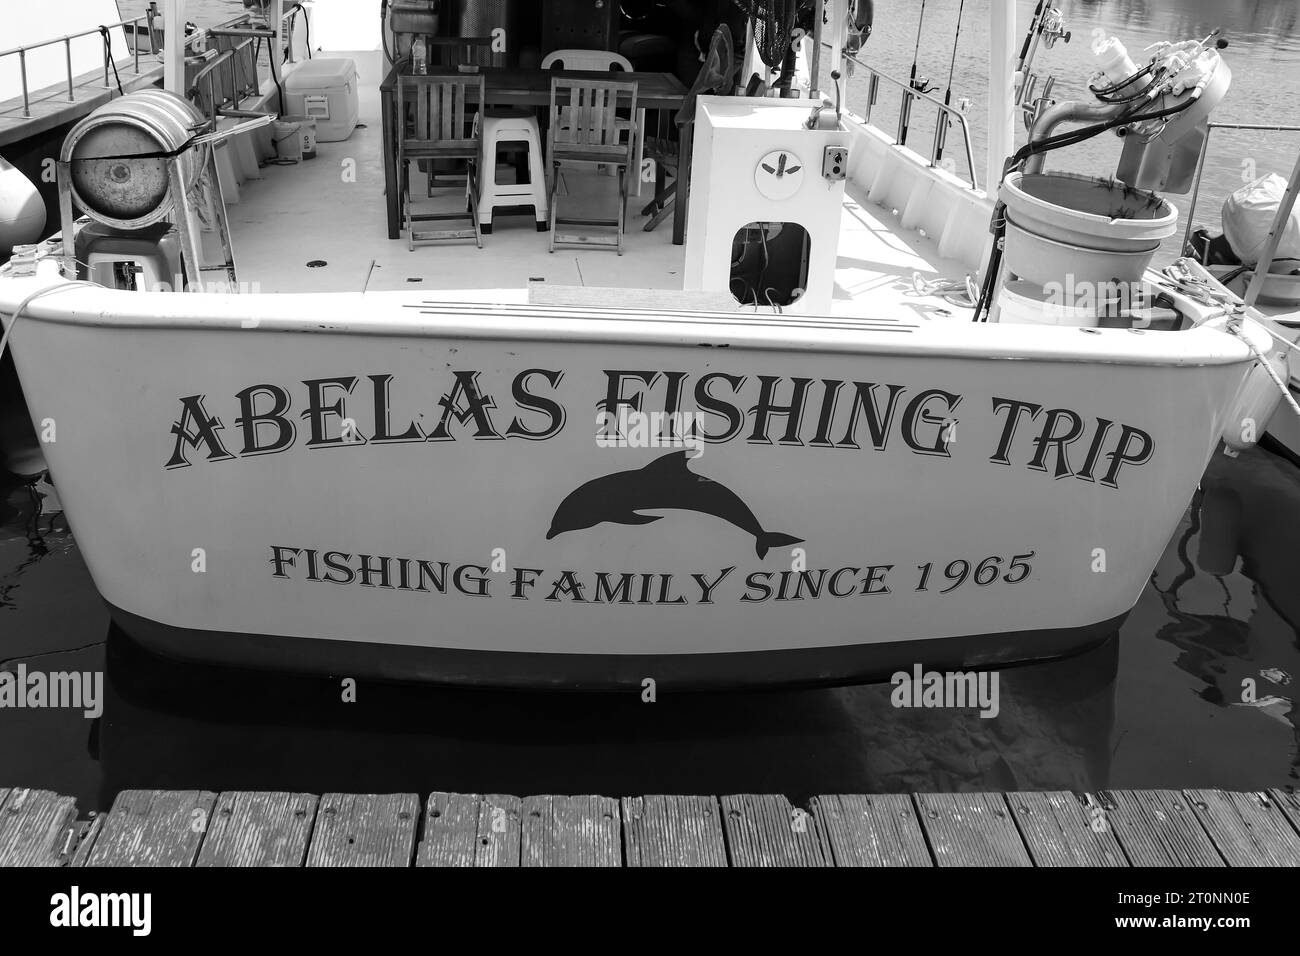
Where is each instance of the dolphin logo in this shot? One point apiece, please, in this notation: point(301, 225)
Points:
point(664, 484)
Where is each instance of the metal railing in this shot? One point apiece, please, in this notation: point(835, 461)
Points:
point(104, 31)
point(242, 78)
point(909, 95)
point(1200, 169)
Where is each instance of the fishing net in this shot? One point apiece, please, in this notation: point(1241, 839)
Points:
point(774, 23)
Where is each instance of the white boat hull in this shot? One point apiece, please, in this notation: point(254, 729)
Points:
point(473, 424)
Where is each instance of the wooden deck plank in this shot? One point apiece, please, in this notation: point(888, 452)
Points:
point(570, 831)
point(84, 840)
point(971, 829)
point(662, 830)
point(153, 828)
point(450, 832)
point(259, 829)
point(1249, 829)
point(500, 826)
point(878, 830)
point(1059, 830)
point(466, 829)
point(35, 828)
point(364, 830)
point(1158, 828)
point(1289, 804)
point(766, 830)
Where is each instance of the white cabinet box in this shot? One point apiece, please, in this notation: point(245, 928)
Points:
point(766, 199)
point(325, 90)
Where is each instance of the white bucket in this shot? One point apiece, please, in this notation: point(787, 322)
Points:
point(294, 138)
point(1024, 303)
point(1095, 230)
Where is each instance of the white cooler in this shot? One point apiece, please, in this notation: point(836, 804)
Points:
point(325, 90)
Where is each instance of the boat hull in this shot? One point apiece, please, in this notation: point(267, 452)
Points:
point(372, 485)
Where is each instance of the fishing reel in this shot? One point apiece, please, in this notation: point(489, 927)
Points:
point(1047, 27)
point(1052, 28)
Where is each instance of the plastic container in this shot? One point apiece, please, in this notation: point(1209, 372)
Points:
point(287, 138)
point(1063, 225)
point(1024, 303)
point(325, 90)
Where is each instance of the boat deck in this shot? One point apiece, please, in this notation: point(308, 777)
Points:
point(330, 209)
point(1116, 828)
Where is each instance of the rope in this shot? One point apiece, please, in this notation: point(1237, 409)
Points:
point(22, 306)
point(108, 55)
point(1259, 357)
point(955, 291)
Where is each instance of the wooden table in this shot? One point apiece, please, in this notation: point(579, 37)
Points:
point(514, 86)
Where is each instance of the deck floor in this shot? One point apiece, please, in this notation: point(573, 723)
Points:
point(1118, 828)
point(330, 209)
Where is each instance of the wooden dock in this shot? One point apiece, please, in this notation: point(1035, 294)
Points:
point(1116, 828)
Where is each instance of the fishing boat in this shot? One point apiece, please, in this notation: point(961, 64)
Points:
point(849, 413)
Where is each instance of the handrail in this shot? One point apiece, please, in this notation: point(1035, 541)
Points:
point(909, 94)
point(1200, 168)
point(198, 36)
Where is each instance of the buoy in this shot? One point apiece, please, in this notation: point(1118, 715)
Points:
point(1256, 400)
point(22, 210)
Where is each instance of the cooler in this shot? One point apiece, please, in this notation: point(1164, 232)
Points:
point(325, 90)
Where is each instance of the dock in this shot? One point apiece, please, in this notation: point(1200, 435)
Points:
point(1113, 828)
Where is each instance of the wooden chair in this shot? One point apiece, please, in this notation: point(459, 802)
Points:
point(585, 128)
point(597, 61)
point(440, 129)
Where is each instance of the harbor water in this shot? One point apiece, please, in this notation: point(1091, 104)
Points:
point(1197, 689)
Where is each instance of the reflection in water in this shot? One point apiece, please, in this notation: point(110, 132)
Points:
point(172, 725)
point(1234, 643)
point(31, 507)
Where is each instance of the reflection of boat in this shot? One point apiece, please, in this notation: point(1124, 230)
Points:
point(168, 725)
point(1235, 613)
point(352, 477)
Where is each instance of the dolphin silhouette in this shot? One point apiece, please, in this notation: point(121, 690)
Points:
point(664, 484)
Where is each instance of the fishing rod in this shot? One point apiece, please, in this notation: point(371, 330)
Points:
point(920, 87)
point(942, 121)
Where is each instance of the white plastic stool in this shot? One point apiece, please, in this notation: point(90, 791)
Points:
point(511, 129)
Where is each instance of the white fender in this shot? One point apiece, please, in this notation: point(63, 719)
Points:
point(22, 211)
point(1258, 397)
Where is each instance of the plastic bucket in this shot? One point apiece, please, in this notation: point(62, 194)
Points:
point(294, 137)
point(1044, 261)
point(1062, 224)
point(1024, 303)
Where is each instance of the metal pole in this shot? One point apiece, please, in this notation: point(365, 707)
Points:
point(22, 68)
point(1002, 122)
point(174, 46)
point(1280, 222)
point(1196, 189)
point(67, 50)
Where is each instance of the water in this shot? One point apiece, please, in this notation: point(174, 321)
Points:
point(1160, 705)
